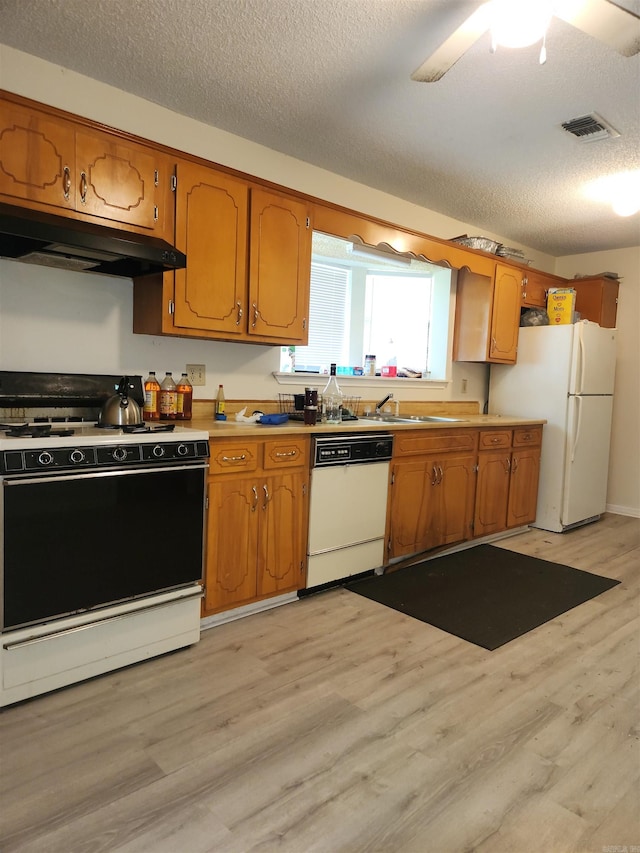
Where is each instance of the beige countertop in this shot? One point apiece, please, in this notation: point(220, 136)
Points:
point(232, 429)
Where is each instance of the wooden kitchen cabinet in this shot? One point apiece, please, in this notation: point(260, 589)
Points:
point(597, 299)
point(256, 520)
point(248, 264)
point(487, 318)
point(536, 286)
point(432, 490)
point(52, 163)
point(508, 473)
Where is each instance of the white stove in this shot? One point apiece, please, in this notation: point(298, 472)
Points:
point(101, 534)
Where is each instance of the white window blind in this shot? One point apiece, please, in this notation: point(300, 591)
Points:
point(328, 318)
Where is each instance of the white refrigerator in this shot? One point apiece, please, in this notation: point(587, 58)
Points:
point(564, 374)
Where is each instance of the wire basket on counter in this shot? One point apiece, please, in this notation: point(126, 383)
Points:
point(293, 405)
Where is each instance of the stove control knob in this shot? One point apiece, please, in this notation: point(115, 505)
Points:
point(158, 451)
point(45, 458)
point(119, 454)
point(183, 450)
point(77, 456)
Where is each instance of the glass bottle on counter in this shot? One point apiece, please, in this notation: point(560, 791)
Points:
point(168, 398)
point(332, 399)
point(184, 400)
point(151, 411)
point(219, 407)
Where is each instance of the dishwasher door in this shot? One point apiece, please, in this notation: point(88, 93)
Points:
point(347, 516)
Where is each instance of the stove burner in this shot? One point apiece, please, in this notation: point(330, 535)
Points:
point(147, 428)
point(39, 431)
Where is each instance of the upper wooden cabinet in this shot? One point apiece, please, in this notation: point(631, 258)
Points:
point(536, 285)
point(597, 299)
point(248, 264)
point(488, 315)
point(49, 162)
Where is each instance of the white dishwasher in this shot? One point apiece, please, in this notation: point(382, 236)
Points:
point(348, 505)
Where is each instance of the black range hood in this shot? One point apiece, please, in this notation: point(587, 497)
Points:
point(55, 241)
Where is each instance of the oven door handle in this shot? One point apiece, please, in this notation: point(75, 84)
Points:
point(88, 475)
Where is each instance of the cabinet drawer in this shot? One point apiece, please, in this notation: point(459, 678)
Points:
point(227, 457)
point(495, 438)
point(286, 453)
point(434, 440)
point(527, 436)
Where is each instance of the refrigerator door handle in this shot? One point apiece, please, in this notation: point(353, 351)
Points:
point(576, 432)
point(581, 358)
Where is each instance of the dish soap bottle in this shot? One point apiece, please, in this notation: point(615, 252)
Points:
point(151, 411)
point(332, 399)
point(185, 398)
point(219, 409)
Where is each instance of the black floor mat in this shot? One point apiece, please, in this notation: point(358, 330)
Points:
point(486, 595)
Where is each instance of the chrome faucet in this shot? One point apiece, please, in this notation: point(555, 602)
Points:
point(382, 402)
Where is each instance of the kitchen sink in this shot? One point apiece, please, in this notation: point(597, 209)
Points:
point(382, 417)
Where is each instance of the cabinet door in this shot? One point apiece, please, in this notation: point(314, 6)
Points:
point(534, 289)
point(282, 544)
point(505, 314)
point(455, 494)
point(523, 491)
point(280, 268)
point(597, 300)
point(232, 543)
point(492, 492)
point(413, 506)
point(211, 229)
point(118, 180)
point(36, 157)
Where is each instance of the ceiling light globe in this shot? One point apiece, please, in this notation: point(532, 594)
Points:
point(519, 23)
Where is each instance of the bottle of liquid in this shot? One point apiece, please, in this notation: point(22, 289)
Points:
point(168, 398)
point(369, 365)
point(219, 408)
point(332, 399)
point(184, 390)
point(151, 411)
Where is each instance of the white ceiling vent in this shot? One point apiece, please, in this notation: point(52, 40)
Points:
point(590, 128)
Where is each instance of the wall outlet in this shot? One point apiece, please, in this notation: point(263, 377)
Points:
point(197, 374)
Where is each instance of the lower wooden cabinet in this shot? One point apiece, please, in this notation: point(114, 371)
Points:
point(257, 521)
point(508, 472)
point(431, 496)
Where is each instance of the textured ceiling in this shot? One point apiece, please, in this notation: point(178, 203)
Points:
point(328, 82)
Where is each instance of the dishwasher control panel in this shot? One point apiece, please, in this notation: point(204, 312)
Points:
point(352, 449)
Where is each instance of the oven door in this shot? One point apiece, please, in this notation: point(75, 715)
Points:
point(85, 540)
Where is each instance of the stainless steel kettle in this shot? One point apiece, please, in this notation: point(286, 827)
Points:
point(121, 409)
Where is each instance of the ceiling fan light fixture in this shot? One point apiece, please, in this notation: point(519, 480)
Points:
point(621, 191)
point(519, 23)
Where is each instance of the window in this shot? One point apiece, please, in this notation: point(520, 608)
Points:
point(358, 306)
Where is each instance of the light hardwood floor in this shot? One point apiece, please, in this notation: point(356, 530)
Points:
point(336, 724)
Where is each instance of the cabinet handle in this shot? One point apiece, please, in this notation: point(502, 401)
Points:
point(256, 315)
point(514, 465)
point(255, 498)
point(267, 497)
point(434, 478)
point(507, 465)
point(240, 313)
point(289, 453)
point(493, 344)
point(83, 187)
point(66, 182)
point(234, 458)
point(440, 474)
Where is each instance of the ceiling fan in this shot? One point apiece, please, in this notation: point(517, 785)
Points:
point(611, 24)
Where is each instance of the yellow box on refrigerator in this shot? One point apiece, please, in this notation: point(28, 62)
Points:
point(561, 304)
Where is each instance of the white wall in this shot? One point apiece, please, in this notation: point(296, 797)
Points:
point(624, 462)
point(59, 321)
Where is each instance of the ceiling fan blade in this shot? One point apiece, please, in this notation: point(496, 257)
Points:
point(605, 21)
point(454, 47)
